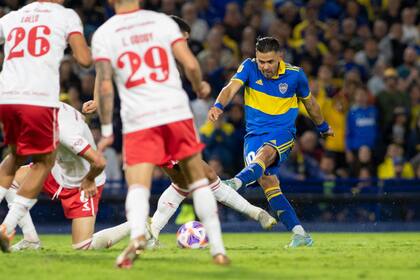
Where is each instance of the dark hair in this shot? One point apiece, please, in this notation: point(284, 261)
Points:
point(183, 25)
point(267, 44)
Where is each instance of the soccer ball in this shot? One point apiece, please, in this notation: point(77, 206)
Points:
point(192, 235)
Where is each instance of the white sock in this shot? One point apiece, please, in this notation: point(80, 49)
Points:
point(137, 209)
point(229, 197)
point(26, 223)
point(206, 208)
point(18, 209)
point(84, 245)
point(298, 230)
point(168, 202)
point(110, 236)
point(3, 192)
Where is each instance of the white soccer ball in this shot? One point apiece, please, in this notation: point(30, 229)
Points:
point(192, 235)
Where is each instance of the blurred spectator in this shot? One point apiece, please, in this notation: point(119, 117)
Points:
point(299, 167)
point(394, 166)
point(409, 70)
point(235, 116)
point(218, 139)
point(335, 111)
point(389, 99)
point(414, 93)
point(312, 51)
point(376, 83)
point(392, 15)
point(308, 143)
point(200, 107)
point(310, 20)
point(289, 12)
point(364, 159)
point(215, 50)
point(87, 86)
point(369, 56)
point(354, 11)
point(199, 27)
point(410, 31)
point(217, 166)
point(327, 167)
point(232, 21)
point(398, 131)
point(413, 144)
point(168, 7)
point(361, 128)
point(113, 164)
point(391, 46)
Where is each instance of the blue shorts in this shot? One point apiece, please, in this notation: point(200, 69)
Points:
point(282, 141)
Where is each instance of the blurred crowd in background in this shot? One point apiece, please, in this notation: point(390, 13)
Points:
point(361, 58)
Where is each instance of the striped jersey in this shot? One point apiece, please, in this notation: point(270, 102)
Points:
point(271, 103)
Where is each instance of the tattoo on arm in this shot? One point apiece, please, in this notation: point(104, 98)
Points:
point(314, 110)
point(105, 90)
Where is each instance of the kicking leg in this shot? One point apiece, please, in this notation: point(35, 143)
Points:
point(229, 197)
point(266, 156)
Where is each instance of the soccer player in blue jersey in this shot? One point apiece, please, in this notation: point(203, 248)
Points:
point(272, 89)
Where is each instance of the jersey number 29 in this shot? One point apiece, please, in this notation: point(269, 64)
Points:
point(155, 58)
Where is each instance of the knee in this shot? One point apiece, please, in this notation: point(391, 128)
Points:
point(267, 182)
point(267, 154)
point(210, 174)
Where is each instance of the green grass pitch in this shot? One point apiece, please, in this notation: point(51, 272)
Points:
point(254, 256)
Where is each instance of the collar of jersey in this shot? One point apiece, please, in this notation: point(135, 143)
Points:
point(282, 69)
point(130, 11)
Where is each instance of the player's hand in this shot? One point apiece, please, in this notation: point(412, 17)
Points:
point(204, 90)
point(329, 133)
point(214, 114)
point(88, 187)
point(89, 107)
point(105, 142)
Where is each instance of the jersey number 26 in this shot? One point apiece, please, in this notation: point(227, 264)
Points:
point(37, 45)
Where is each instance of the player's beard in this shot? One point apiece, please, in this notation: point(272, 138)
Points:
point(267, 74)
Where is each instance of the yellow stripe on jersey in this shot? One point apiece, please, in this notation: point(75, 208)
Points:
point(269, 104)
point(305, 98)
point(238, 80)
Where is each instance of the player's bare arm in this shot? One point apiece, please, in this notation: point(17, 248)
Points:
point(89, 107)
point(106, 101)
point(315, 113)
point(191, 67)
point(97, 165)
point(81, 51)
point(224, 98)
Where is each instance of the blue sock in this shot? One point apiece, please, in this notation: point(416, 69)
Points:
point(251, 173)
point(282, 207)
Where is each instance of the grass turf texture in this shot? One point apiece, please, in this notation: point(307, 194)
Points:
point(254, 256)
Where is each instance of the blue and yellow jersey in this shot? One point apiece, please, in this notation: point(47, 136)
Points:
point(271, 103)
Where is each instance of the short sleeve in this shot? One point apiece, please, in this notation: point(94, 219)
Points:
point(74, 24)
point(100, 50)
point(242, 74)
point(74, 141)
point(71, 130)
point(173, 33)
point(302, 91)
